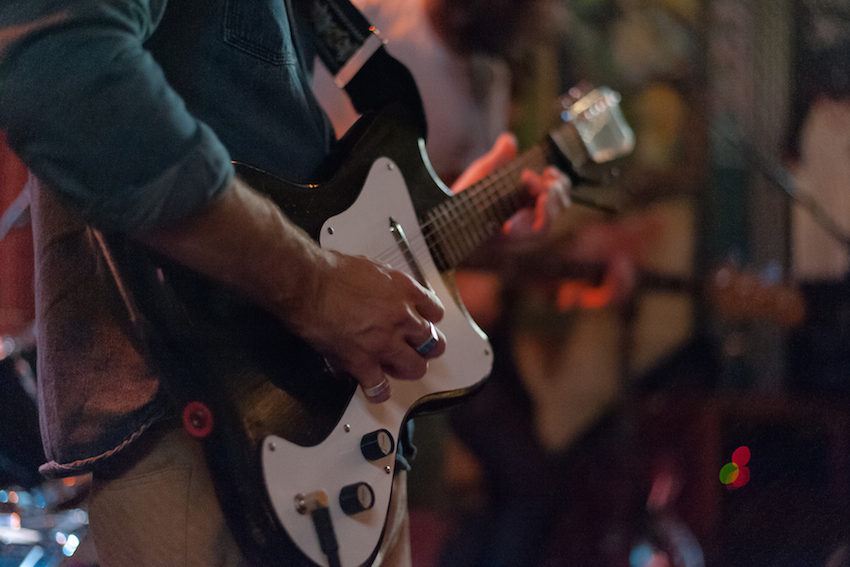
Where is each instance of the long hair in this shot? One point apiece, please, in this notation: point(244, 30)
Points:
point(488, 26)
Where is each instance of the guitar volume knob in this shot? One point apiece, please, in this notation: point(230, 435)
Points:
point(377, 445)
point(356, 498)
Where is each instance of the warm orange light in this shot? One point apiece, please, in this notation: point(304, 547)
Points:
point(581, 295)
point(597, 297)
point(569, 295)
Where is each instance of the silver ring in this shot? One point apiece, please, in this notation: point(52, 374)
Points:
point(377, 390)
point(430, 342)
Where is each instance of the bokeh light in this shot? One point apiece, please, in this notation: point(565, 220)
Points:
point(741, 456)
point(640, 556)
point(736, 474)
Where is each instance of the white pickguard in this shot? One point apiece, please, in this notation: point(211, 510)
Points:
point(289, 469)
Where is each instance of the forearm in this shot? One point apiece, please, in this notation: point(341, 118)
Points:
point(364, 317)
point(244, 241)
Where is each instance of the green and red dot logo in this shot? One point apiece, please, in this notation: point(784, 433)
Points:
point(736, 474)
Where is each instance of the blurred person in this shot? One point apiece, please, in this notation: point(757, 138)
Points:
point(458, 53)
point(817, 159)
point(550, 467)
point(816, 154)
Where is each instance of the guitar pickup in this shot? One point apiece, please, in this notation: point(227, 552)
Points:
point(409, 258)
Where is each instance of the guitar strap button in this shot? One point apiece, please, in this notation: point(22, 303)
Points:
point(197, 419)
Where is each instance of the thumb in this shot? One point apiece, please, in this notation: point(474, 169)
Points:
point(503, 151)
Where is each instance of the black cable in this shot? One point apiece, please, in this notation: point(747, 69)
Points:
point(327, 538)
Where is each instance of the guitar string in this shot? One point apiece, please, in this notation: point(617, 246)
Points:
point(481, 198)
point(444, 228)
point(485, 199)
point(449, 229)
point(450, 249)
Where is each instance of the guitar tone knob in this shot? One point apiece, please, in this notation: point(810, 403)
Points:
point(377, 445)
point(356, 498)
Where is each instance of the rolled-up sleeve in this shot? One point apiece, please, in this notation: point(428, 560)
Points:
point(92, 115)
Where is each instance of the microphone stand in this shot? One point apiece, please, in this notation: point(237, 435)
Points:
point(781, 179)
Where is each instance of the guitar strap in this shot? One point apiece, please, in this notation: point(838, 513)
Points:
point(353, 51)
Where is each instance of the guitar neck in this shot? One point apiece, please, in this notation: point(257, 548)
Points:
point(593, 134)
point(458, 226)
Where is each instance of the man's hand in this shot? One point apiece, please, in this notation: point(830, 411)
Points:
point(371, 321)
point(365, 318)
point(550, 189)
point(617, 244)
point(614, 244)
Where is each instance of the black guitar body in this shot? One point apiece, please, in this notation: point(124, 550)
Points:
point(277, 422)
point(256, 378)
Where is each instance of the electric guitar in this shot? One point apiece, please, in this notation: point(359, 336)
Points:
point(303, 464)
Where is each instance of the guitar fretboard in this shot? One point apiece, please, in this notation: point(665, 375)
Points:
point(456, 227)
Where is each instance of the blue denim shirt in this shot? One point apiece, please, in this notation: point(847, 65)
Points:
point(134, 109)
point(131, 111)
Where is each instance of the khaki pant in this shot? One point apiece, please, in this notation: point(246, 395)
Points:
point(162, 512)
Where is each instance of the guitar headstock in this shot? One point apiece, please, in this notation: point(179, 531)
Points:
point(594, 134)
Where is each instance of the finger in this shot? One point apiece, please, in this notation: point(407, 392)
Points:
point(551, 190)
point(503, 151)
point(555, 203)
point(551, 178)
point(430, 344)
point(410, 360)
point(375, 385)
point(429, 306)
point(521, 224)
point(405, 364)
point(541, 212)
point(559, 188)
point(534, 182)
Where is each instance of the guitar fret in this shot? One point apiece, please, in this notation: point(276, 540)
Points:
point(450, 237)
point(460, 224)
point(490, 212)
point(431, 233)
point(472, 228)
point(445, 241)
point(440, 223)
point(462, 231)
point(473, 224)
point(496, 208)
point(466, 211)
point(456, 244)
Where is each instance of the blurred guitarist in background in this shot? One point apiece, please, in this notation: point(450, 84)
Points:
point(128, 114)
point(817, 158)
point(459, 52)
